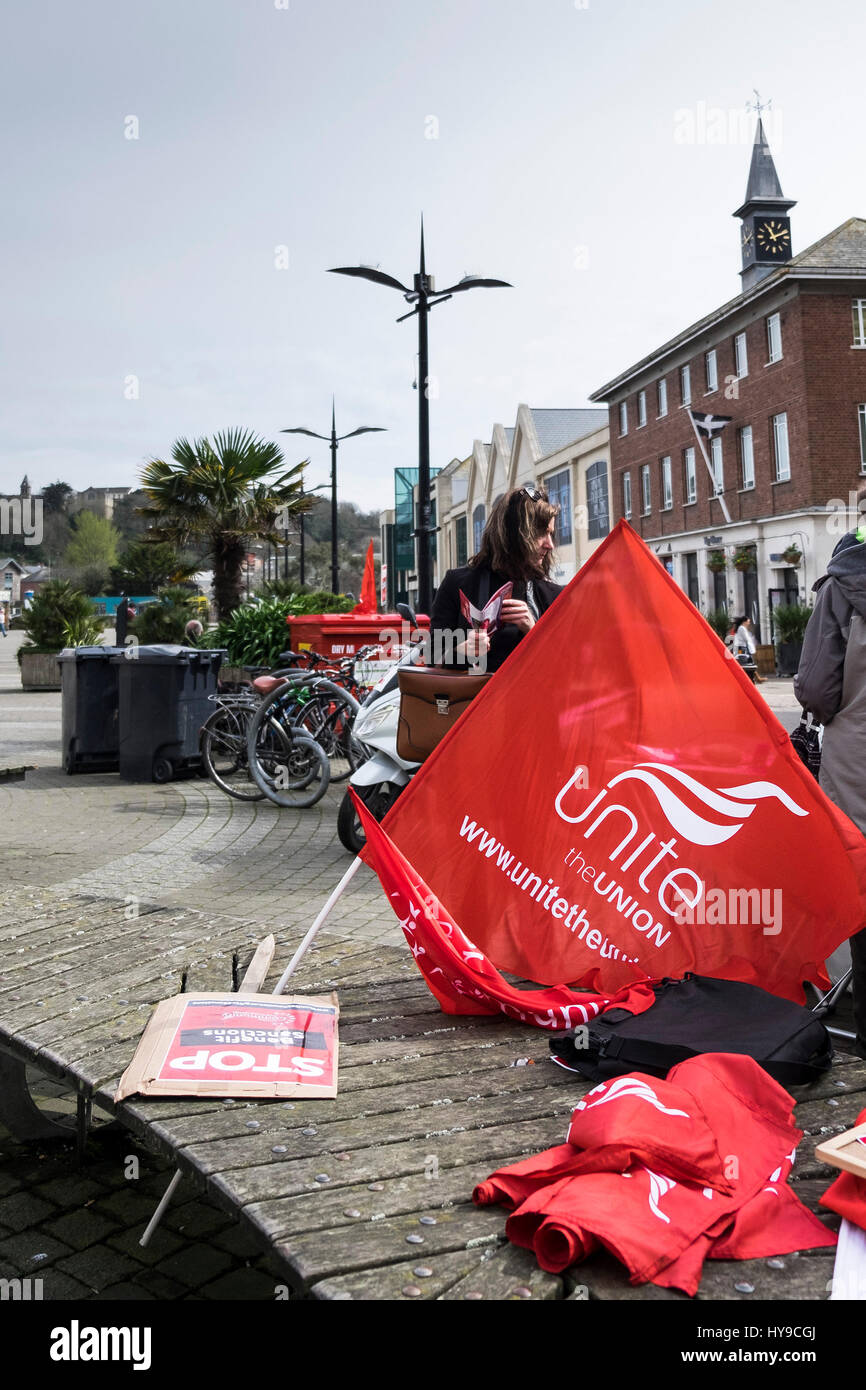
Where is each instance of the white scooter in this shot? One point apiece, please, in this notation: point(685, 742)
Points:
point(379, 780)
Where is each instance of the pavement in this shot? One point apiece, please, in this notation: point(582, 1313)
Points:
point(180, 844)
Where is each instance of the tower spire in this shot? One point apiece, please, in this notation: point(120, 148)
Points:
point(766, 230)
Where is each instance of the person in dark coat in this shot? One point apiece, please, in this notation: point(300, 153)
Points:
point(831, 683)
point(517, 545)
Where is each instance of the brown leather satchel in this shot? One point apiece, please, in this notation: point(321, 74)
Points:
point(431, 702)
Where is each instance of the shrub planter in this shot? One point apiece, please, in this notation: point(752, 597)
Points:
point(40, 671)
point(789, 657)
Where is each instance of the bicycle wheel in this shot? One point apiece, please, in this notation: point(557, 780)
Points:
point(330, 721)
point(224, 752)
point(286, 764)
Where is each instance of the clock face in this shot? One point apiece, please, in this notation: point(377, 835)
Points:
point(747, 242)
point(773, 238)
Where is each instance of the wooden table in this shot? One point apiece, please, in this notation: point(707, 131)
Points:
point(367, 1196)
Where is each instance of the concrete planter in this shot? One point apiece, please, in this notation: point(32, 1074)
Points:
point(40, 671)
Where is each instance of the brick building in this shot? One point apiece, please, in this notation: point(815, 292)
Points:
point(786, 361)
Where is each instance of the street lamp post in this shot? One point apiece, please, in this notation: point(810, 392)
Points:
point(423, 296)
point(334, 439)
point(309, 493)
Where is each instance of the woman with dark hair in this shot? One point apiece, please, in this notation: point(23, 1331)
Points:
point(517, 546)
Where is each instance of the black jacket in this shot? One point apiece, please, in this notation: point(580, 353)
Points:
point(479, 584)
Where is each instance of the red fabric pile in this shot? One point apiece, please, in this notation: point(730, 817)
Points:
point(847, 1195)
point(666, 1174)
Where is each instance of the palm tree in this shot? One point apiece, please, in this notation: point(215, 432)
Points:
point(222, 493)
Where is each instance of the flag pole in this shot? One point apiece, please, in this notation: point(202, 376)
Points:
point(717, 495)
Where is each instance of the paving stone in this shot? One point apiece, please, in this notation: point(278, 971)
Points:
point(58, 1286)
point(241, 1284)
point(162, 1243)
point(197, 1219)
point(196, 1265)
point(16, 1253)
point(81, 1229)
point(129, 1207)
point(71, 1191)
point(22, 1209)
point(160, 1285)
point(99, 1267)
point(238, 1241)
point(132, 1293)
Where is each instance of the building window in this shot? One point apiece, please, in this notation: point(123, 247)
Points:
point(462, 542)
point(858, 307)
point(780, 447)
point(597, 500)
point(686, 385)
point(626, 496)
point(774, 338)
point(645, 496)
point(712, 370)
point(623, 418)
point(747, 458)
point(691, 477)
point(641, 408)
point(667, 484)
point(718, 464)
point(741, 356)
point(663, 397)
point(477, 527)
point(559, 492)
point(861, 419)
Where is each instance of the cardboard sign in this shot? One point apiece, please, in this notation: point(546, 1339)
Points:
point(256, 1045)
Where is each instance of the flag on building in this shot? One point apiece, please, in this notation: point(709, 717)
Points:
point(708, 426)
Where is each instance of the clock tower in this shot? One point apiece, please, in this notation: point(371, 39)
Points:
point(765, 238)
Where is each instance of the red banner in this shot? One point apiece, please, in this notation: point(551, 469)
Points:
point(459, 975)
point(619, 803)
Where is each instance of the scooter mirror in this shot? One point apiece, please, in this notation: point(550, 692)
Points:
point(407, 614)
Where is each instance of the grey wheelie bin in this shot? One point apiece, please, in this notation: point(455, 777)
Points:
point(163, 701)
point(88, 680)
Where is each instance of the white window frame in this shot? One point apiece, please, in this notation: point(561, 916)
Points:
point(858, 315)
point(861, 421)
point(623, 419)
point(774, 338)
point(781, 447)
point(667, 484)
point(711, 370)
point(641, 409)
point(686, 384)
point(662, 396)
point(691, 474)
point(741, 355)
point(718, 461)
point(747, 457)
point(645, 490)
point(626, 495)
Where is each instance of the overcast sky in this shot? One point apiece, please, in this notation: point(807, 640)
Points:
point(591, 154)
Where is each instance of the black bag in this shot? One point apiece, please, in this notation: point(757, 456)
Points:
point(694, 1015)
point(807, 744)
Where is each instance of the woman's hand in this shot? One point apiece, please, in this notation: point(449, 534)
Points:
point(475, 648)
point(515, 611)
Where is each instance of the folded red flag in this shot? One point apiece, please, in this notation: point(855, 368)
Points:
point(735, 1205)
point(619, 803)
point(458, 974)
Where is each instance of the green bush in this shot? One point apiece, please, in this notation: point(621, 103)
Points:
point(56, 608)
point(256, 633)
point(719, 620)
point(83, 631)
point(789, 621)
point(165, 620)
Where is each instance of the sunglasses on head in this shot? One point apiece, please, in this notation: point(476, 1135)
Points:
point(533, 494)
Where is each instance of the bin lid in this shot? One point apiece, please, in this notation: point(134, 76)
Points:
point(167, 653)
point(88, 653)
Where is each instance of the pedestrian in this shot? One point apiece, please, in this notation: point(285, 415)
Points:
point(3, 620)
point(831, 684)
point(745, 648)
point(517, 546)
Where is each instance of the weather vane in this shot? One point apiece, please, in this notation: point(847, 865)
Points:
point(758, 105)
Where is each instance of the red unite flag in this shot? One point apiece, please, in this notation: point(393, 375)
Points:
point(619, 803)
